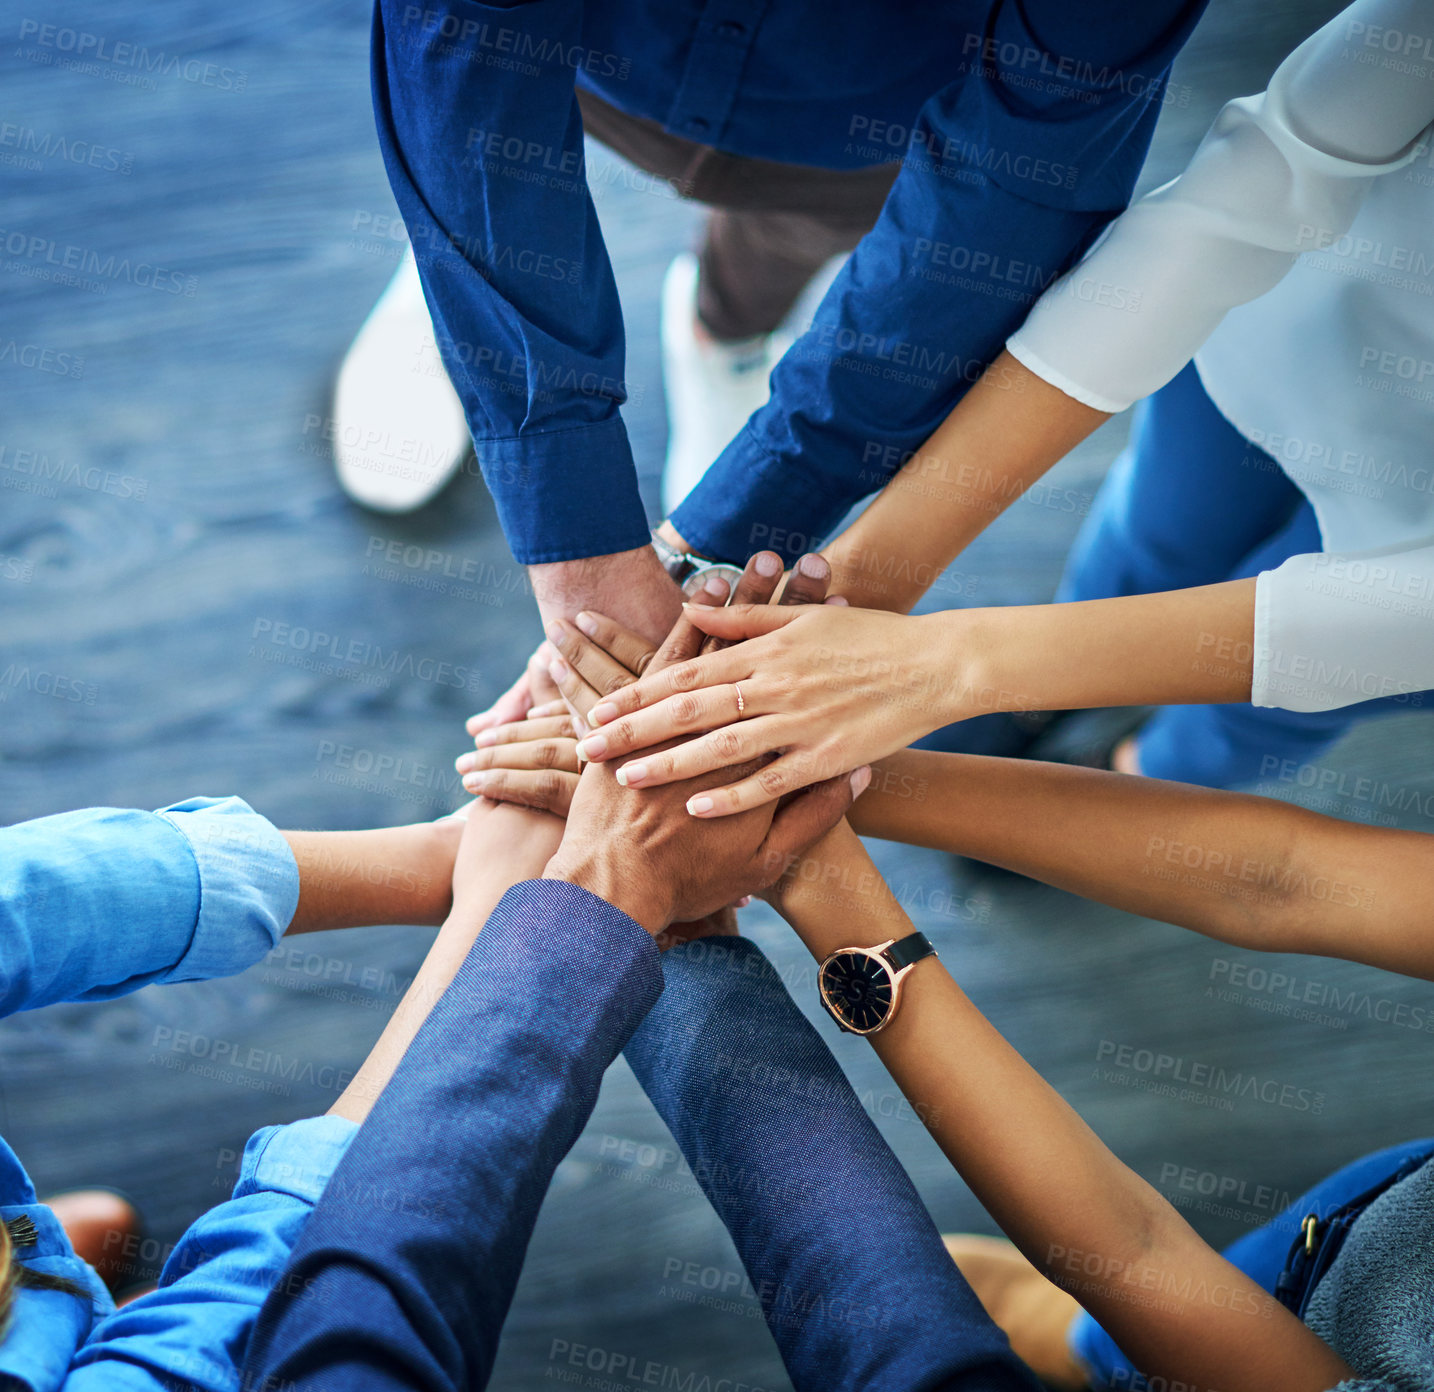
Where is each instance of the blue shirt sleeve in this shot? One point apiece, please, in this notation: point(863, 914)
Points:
point(97, 903)
point(488, 1099)
point(850, 1271)
point(1008, 176)
point(482, 139)
point(194, 1330)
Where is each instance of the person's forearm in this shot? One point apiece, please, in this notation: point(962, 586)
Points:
point(405, 1270)
point(1179, 647)
point(752, 1097)
point(503, 846)
point(1008, 430)
point(392, 875)
point(1080, 1216)
point(1250, 871)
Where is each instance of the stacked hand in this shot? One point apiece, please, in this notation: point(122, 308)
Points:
point(824, 688)
point(641, 852)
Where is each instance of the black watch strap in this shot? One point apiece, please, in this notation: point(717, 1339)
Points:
point(912, 948)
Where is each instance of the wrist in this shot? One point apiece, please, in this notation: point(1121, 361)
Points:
point(973, 651)
point(613, 882)
point(674, 538)
point(629, 586)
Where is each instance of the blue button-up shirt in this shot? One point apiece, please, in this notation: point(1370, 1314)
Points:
point(1021, 127)
point(95, 904)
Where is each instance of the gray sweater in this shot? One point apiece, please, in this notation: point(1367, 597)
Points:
point(1375, 1305)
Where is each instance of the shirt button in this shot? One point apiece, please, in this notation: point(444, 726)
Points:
point(731, 29)
point(698, 124)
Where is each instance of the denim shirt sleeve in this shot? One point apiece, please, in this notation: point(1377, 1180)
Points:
point(483, 143)
point(843, 1257)
point(97, 903)
point(1009, 176)
point(488, 1099)
point(194, 1330)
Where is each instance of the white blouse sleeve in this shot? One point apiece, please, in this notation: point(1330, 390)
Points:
point(1277, 174)
point(1332, 629)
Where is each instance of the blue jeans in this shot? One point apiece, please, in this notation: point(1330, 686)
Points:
point(1192, 502)
point(1260, 1255)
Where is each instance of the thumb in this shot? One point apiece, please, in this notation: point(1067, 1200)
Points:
point(740, 621)
point(804, 819)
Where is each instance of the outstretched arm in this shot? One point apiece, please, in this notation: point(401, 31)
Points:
point(1081, 1217)
point(1250, 871)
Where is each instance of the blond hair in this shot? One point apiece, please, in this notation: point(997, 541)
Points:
point(15, 1274)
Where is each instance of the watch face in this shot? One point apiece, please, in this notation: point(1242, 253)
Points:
point(858, 989)
point(694, 582)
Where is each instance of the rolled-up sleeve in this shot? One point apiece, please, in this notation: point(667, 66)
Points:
point(100, 902)
point(483, 143)
point(1278, 174)
point(1333, 629)
point(194, 1330)
point(1009, 175)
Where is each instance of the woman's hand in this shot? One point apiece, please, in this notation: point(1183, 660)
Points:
point(829, 688)
point(534, 761)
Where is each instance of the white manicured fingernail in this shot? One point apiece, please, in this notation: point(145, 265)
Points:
point(558, 670)
point(601, 714)
point(485, 737)
point(629, 774)
point(474, 782)
point(699, 805)
point(593, 747)
point(860, 780)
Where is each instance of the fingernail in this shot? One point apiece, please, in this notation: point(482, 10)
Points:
point(813, 567)
point(594, 747)
point(554, 632)
point(558, 670)
point(629, 774)
point(743, 902)
point(601, 714)
point(486, 737)
point(464, 762)
point(699, 806)
point(586, 624)
point(474, 782)
point(768, 563)
point(860, 780)
point(841, 601)
point(715, 585)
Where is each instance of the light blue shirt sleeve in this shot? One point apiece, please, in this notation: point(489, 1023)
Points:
point(97, 903)
point(193, 1332)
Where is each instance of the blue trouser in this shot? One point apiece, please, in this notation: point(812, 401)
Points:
point(1192, 502)
point(1260, 1255)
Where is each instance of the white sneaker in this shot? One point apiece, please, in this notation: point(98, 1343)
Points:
point(711, 387)
point(398, 430)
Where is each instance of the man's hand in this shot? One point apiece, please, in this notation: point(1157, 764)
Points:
point(631, 586)
point(644, 854)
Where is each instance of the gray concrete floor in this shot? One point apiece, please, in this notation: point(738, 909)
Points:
point(144, 598)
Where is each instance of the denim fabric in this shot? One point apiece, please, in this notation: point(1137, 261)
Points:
point(98, 903)
point(488, 1099)
point(94, 904)
point(1192, 502)
point(194, 1330)
point(1261, 1256)
point(851, 1273)
point(1022, 128)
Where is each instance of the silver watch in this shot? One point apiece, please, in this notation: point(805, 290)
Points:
point(691, 570)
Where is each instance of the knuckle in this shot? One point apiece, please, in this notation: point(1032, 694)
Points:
point(686, 676)
point(772, 779)
point(615, 683)
point(686, 708)
point(727, 744)
point(623, 734)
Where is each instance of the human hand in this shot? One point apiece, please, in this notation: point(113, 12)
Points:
point(630, 585)
point(501, 844)
point(535, 761)
point(829, 687)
